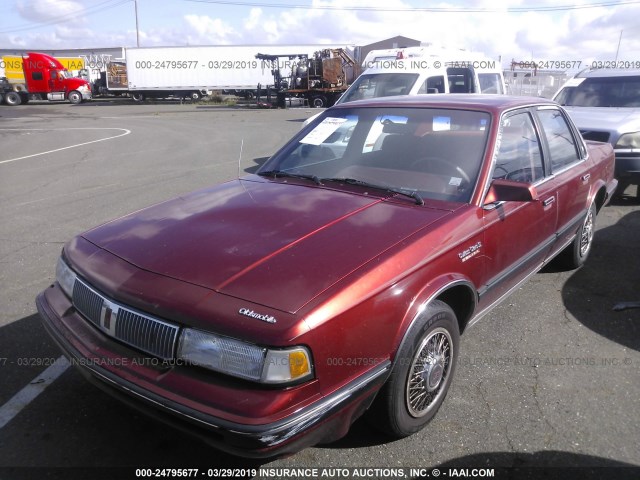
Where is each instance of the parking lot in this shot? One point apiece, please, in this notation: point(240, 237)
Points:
point(549, 378)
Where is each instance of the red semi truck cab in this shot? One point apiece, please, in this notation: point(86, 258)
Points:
point(45, 77)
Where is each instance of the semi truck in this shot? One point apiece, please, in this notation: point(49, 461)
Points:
point(191, 72)
point(11, 69)
point(45, 78)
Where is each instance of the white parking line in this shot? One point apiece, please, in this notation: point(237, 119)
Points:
point(126, 132)
point(25, 396)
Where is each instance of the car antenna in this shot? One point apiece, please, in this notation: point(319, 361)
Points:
point(240, 158)
point(239, 167)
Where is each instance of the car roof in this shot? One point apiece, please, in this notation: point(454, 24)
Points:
point(609, 72)
point(494, 103)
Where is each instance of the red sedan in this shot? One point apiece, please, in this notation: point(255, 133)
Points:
point(268, 313)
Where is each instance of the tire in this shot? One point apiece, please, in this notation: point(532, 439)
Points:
point(622, 186)
point(194, 96)
point(415, 389)
point(75, 97)
point(137, 97)
point(12, 98)
point(319, 101)
point(576, 254)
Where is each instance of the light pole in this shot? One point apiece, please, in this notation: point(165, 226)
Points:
point(618, 49)
point(135, 3)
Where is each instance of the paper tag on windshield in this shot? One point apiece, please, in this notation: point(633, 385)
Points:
point(455, 181)
point(324, 129)
point(441, 123)
point(574, 82)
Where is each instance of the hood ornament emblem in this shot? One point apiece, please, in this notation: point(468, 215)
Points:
point(247, 312)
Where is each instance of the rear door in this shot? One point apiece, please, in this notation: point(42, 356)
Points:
point(567, 161)
point(518, 235)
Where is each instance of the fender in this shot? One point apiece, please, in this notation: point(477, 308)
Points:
point(601, 193)
point(430, 292)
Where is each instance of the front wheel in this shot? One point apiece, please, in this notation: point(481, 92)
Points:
point(75, 97)
point(422, 373)
point(576, 253)
point(137, 97)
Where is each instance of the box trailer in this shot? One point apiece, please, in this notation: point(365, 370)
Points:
point(157, 72)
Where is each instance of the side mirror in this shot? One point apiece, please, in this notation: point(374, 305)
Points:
point(510, 191)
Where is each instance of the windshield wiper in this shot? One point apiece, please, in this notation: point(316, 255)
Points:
point(282, 173)
point(354, 181)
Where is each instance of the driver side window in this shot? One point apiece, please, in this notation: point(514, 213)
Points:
point(519, 156)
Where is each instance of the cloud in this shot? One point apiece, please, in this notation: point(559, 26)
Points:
point(580, 34)
point(47, 11)
point(204, 30)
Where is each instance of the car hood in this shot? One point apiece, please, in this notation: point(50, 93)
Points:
point(269, 242)
point(606, 119)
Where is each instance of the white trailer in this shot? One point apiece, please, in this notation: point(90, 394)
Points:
point(194, 71)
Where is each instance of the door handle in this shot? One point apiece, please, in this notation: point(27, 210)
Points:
point(548, 201)
point(585, 178)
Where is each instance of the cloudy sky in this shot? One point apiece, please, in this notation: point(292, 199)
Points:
point(570, 30)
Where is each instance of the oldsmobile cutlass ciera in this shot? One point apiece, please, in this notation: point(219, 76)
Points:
point(268, 313)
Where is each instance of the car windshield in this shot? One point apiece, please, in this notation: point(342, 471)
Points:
point(619, 91)
point(428, 153)
point(379, 85)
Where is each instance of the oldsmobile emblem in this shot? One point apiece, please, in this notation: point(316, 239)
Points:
point(247, 312)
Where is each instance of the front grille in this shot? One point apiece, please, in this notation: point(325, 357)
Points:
point(136, 329)
point(87, 302)
point(595, 135)
point(147, 334)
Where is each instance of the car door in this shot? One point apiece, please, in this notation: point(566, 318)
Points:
point(567, 160)
point(518, 235)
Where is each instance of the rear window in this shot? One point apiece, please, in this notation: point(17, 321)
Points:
point(602, 92)
point(490, 83)
point(380, 85)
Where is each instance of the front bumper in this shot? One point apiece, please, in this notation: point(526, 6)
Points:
point(628, 166)
point(325, 419)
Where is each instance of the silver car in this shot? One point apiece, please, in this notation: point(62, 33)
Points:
point(605, 106)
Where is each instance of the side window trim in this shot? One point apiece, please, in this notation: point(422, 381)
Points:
point(581, 149)
point(546, 175)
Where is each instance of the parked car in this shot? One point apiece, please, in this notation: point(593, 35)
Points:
point(605, 105)
point(268, 313)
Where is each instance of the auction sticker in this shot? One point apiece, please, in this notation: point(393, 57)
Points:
point(325, 128)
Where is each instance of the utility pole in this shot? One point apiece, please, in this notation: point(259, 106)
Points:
point(135, 3)
point(618, 49)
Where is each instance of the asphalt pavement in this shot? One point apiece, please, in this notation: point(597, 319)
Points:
point(549, 378)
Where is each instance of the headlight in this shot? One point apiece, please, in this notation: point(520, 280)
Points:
point(629, 140)
point(65, 277)
point(244, 360)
